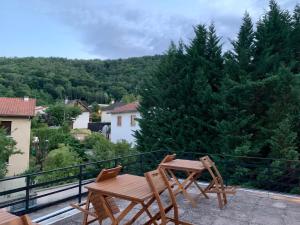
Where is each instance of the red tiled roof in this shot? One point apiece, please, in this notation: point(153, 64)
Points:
point(131, 107)
point(17, 107)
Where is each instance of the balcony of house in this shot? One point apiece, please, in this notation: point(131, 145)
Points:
point(267, 191)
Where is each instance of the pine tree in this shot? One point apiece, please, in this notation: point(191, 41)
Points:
point(179, 105)
point(243, 48)
point(271, 41)
point(162, 97)
point(295, 40)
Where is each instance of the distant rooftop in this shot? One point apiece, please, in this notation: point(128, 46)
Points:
point(19, 107)
point(131, 107)
point(113, 106)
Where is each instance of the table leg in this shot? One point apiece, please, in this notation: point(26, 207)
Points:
point(194, 180)
point(108, 210)
point(144, 209)
point(181, 187)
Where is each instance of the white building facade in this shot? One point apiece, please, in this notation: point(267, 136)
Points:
point(82, 120)
point(124, 123)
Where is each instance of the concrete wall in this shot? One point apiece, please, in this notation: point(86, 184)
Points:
point(125, 131)
point(82, 120)
point(20, 132)
point(105, 117)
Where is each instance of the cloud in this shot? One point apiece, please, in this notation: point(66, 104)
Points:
point(118, 29)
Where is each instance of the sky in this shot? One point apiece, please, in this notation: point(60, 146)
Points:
point(110, 29)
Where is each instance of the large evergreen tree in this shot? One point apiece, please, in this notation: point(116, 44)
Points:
point(180, 104)
point(272, 41)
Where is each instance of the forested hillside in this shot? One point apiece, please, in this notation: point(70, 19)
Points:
point(50, 79)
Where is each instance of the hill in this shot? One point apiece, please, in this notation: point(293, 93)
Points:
point(51, 79)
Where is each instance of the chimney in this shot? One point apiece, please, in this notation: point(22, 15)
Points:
point(26, 98)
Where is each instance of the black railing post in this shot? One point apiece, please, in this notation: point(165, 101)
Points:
point(80, 184)
point(27, 194)
point(116, 162)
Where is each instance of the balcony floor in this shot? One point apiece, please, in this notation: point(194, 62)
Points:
point(245, 208)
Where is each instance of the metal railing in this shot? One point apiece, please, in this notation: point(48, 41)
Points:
point(52, 184)
point(269, 174)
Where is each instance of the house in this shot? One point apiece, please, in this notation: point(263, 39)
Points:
point(83, 119)
point(123, 123)
point(15, 117)
point(105, 112)
point(40, 110)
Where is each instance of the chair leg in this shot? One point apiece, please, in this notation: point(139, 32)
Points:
point(220, 200)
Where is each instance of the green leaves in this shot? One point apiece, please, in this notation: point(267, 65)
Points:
point(7, 148)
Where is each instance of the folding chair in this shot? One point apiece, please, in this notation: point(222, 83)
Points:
point(169, 158)
point(216, 185)
point(158, 182)
point(97, 212)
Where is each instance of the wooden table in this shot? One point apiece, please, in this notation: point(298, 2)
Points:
point(7, 218)
point(134, 189)
point(192, 168)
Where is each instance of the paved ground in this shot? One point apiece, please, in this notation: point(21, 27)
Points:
point(245, 208)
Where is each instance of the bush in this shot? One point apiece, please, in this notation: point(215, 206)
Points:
point(61, 157)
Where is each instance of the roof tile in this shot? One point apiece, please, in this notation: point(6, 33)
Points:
point(17, 106)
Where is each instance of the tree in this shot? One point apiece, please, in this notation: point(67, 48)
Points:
point(272, 41)
point(7, 149)
point(99, 147)
point(61, 157)
point(59, 114)
point(180, 103)
point(123, 148)
point(49, 139)
point(294, 40)
point(130, 98)
point(239, 64)
point(162, 96)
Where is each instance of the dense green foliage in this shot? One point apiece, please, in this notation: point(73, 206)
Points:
point(99, 148)
point(50, 79)
point(61, 157)
point(7, 148)
point(244, 102)
point(59, 114)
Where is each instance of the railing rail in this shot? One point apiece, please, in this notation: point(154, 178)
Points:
point(255, 172)
point(75, 176)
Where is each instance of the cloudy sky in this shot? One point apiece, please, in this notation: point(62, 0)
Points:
point(115, 28)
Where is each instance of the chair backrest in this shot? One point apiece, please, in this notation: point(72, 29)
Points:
point(169, 158)
point(212, 169)
point(94, 197)
point(158, 182)
point(108, 173)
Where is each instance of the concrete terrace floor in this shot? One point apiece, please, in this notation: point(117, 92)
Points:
point(245, 208)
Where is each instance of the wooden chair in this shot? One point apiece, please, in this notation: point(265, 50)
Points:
point(158, 183)
point(216, 185)
point(168, 158)
point(97, 212)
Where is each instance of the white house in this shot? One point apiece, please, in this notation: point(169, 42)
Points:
point(83, 119)
point(106, 111)
point(124, 124)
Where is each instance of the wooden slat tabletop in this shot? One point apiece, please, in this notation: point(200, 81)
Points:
point(184, 165)
point(7, 218)
point(127, 186)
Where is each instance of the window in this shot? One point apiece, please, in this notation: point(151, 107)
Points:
point(119, 121)
point(6, 125)
point(132, 120)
